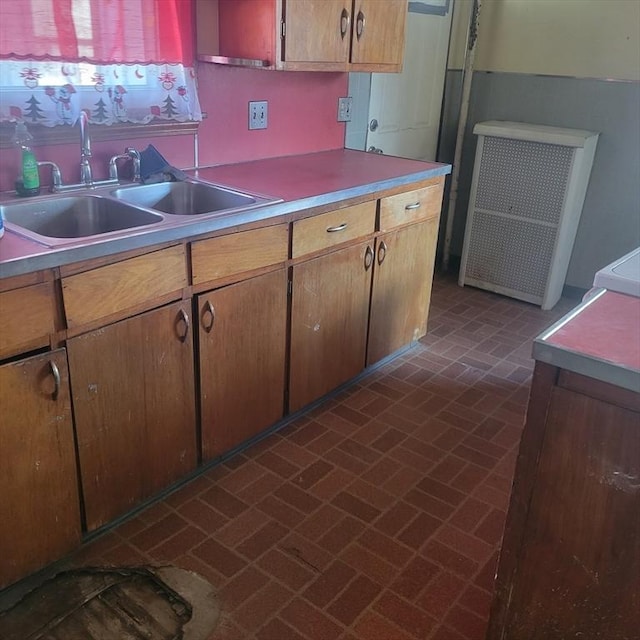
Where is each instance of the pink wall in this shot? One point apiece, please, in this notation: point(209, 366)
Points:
point(302, 119)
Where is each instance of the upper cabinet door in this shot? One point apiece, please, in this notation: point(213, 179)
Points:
point(378, 33)
point(317, 31)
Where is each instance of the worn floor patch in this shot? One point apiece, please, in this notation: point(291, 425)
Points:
point(149, 603)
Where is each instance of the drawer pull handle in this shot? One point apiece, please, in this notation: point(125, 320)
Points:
point(55, 372)
point(185, 318)
point(344, 23)
point(410, 207)
point(368, 258)
point(208, 309)
point(382, 252)
point(340, 227)
point(359, 24)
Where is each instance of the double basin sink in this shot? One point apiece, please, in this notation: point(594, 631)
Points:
point(61, 219)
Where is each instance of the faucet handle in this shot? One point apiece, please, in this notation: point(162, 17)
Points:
point(135, 158)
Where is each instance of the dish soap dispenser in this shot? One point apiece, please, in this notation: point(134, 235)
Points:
point(29, 184)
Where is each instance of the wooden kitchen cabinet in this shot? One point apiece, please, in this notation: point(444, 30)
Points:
point(402, 277)
point(329, 313)
point(242, 351)
point(39, 501)
point(570, 558)
point(403, 269)
point(308, 35)
point(242, 326)
point(134, 407)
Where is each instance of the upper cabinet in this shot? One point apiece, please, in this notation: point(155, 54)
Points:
point(304, 35)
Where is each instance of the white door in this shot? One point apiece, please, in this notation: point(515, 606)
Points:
point(404, 108)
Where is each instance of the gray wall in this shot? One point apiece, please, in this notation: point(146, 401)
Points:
point(610, 222)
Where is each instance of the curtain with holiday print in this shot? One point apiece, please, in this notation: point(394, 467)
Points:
point(117, 60)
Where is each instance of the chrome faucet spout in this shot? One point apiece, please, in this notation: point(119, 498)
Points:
point(85, 149)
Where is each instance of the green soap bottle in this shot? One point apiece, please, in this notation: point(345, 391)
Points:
point(30, 175)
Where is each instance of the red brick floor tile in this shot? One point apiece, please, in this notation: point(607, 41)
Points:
point(202, 515)
point(318, 523)
point(486, 576)
point(402, 481)
point(370, 564)
point(179, 544)
point(385, 547)
point(262, 540)
point(477, 600)
point(221, 558)
point(441, 593)
point(372, 626)
point(329, 583)
point(419, 530)
point(306, 551)
point(449, 558)
point(467, 545)
point(469, 478)
point(332, 484)
point(469, 624)
point(405, 615)
point(241, 587)
point(241, 527)
point(311, 474)
point(353, 506)
point(491, 528)
point(286, 569)
point(309, 621)
point(275, 629)
point(448, 469)
point(297, 498)
point(354, 599)
point(256, 491)
point(341, 534)
point(445, 632)
point(277, 464)
point(278, 510)
point(124, 555)
point(429, 504)
point(224, 502)
point(262, 606)
point(414, 578)
point(346, 461)
point(379, 472)
point(469, 515)
point(396, 518)
point(158, 532)
point(371, 494)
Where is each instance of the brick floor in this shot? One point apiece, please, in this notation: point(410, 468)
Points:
point(378, 514)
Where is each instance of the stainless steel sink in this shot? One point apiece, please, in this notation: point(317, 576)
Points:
point(186, 198)
point(68, 218)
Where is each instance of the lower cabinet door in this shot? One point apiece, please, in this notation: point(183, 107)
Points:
point(134, 406)
point(39, 502)
point(242, 349)
point(329, 312)
point(402, 278)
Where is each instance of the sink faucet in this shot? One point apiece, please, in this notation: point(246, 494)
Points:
point(56, 176)
point(129, 153)
point(85, 150)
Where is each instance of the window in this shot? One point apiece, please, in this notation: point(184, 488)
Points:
point(118, 60)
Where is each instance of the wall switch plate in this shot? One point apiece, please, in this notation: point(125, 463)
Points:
point(345, 105)
point(258, 114)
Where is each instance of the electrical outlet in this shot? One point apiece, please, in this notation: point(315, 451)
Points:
point(345, 105)
point(258, 114)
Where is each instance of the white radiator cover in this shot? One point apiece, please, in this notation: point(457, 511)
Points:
point(528, 188)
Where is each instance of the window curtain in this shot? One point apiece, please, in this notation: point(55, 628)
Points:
point(118, 60)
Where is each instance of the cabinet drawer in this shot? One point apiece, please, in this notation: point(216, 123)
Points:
point(27, 318)
point(151, 279)
point(411, 206)
point(236, 253)
point(335, 227)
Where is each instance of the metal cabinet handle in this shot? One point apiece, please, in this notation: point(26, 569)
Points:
point(368, 258)
point(345, 20)
point(208, 309)
point(415, 205)
point(55, 372)
point(359, 24)
point(382, 252)
point(340, 227)
point(185, 318)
